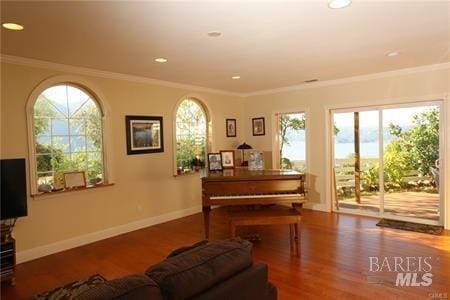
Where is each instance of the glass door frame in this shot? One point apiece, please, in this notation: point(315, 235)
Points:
point(380, 108)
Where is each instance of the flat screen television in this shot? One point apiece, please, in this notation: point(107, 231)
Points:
point(13, 188)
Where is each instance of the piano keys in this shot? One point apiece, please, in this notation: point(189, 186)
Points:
point(250, 187)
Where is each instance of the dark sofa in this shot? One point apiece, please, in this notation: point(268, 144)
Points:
point(215, 270)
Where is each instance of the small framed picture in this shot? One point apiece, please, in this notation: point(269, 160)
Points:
point(258, 126)
point(73, 180)
point(227, 159)
point(144, 134)
point(256, 160)
point(214, 162)
point(231, 127)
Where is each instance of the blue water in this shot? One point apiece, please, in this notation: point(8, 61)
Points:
point(296, 150)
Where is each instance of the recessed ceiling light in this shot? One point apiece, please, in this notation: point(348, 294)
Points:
point(214, 33)
point(12, 26)
point(392, 53)
point(236, 77)
point(160, 60)
point(339, 3)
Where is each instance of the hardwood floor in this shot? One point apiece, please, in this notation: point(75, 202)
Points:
point(333, 264)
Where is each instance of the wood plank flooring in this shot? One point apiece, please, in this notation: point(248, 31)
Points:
point(333, 263)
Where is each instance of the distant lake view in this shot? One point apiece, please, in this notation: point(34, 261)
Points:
point(296, 150)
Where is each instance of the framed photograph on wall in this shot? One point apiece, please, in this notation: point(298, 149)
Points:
point(144, 134)
point(227, 159)
point(258, 126)
point(231, 127)
point(214, 162)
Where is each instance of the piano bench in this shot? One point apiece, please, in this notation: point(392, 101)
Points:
point(272, 215)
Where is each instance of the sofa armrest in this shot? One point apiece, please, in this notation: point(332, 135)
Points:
point(251, 283)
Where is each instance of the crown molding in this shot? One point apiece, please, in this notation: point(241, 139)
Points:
point(106, 74)
point(139, 79)
point(346, 80)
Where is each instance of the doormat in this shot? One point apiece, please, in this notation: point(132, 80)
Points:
point(424, 228)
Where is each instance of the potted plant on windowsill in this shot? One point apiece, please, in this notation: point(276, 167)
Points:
point(197, 163)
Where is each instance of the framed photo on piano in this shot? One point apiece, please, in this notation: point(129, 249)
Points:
point(227, 159)
point(214, 162)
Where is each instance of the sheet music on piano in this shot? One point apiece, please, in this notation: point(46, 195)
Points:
point(241, 186)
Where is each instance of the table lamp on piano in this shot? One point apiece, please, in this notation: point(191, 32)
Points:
point(244, 147)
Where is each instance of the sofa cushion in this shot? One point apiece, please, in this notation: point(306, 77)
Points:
point(187, 248)
point(72, 289)
point(191, 272)
point(128, 287)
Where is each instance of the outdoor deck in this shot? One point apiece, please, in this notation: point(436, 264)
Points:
point(408, 204)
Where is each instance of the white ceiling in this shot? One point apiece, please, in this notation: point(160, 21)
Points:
point(269, 44)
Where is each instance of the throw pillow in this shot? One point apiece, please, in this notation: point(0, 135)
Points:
point(72, 289)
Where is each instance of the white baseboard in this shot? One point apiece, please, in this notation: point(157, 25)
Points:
point(59, 246)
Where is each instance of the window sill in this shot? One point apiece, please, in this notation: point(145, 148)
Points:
point(187, 173)
point(69, 191)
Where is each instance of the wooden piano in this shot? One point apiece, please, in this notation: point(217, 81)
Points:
point(241, 186)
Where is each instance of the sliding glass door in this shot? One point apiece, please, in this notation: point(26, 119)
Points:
point(387, 161)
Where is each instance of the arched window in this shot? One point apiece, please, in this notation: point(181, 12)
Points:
point(68, 128)
point(191, 136)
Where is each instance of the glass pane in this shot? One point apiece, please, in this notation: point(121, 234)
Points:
point(292, 141)
point(77, 127)
point(44, 162)
point(94, 134)
point(76, 98)
point(62, 161)
point(57, 96)
point(42, 126)
point(60, 143)
point(77, 143)
point(95, 167)
point(45, 178)
point(356, 164)
point(79, 161)
point(88, 110)
point(43, 145)
point(44, 108)
point(369, 161)
point(411, 162)
point(60, 127)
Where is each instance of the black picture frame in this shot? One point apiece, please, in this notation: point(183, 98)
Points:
point(144, 134)
point(227, 159)
point(214, 162)
point(231, 127)
point(258, 126)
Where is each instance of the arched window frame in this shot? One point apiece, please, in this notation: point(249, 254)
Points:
point(208, 116)
point(99, 99)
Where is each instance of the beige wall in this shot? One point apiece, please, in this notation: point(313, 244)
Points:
point(144, 184)
point(414, 87)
